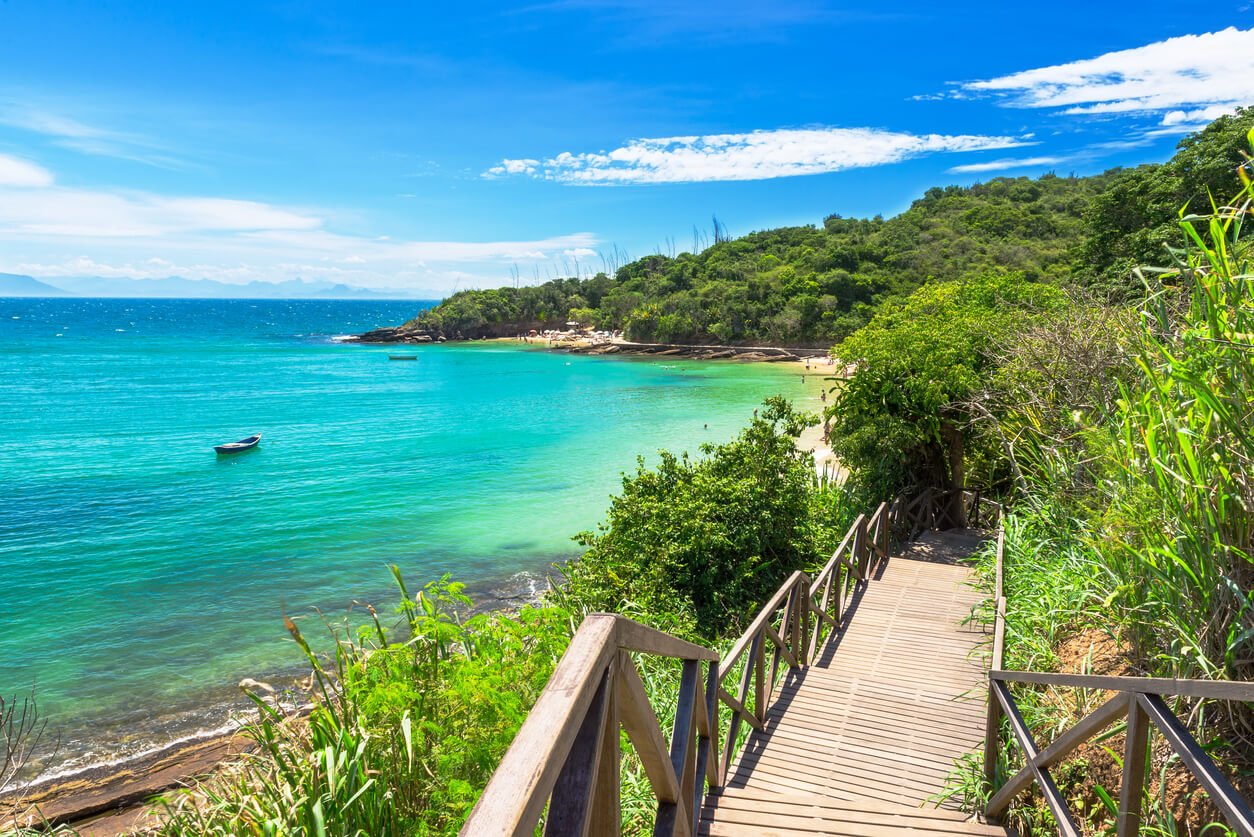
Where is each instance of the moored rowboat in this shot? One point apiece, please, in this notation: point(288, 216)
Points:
point(402, 357)
point(242, 444)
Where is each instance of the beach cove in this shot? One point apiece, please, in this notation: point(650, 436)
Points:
point(144, 577)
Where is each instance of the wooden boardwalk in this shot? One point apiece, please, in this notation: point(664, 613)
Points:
point(860, 740)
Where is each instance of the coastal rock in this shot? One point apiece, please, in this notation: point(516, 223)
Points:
point(392, 334)
point(99, 790)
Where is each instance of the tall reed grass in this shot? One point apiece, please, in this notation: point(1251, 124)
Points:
point(1179, 527)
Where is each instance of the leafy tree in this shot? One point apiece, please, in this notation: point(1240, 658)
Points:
point(901, 420)
point(1134, 221)
point(801, 286)
point(696, 544)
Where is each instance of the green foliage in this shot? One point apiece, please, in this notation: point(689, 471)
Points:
point(694, 544)
point(1180, 520)
point(1133, 222)
point(898, 418)
point(403, 735)
point(1137, 510)
point(800, 285)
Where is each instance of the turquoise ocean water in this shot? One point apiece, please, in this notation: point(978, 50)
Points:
point(142, 576)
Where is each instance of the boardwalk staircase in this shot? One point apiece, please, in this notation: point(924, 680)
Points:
point(842, 709)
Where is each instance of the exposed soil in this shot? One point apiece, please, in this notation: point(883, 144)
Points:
point(1098, 762)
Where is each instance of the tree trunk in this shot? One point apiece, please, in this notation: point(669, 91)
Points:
point(957, 476)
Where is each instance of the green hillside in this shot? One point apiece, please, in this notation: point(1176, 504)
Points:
point(815, 285)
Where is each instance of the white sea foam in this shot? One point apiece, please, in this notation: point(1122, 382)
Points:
point(86, 760)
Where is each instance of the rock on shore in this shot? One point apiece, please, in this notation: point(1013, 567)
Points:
point(395, 334)
point(745, 353)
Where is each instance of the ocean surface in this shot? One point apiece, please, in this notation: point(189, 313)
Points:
point(142, 576)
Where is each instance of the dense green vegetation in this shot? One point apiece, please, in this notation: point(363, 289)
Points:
point(801, 285)
point(696, 544)
point(1122, 434)
point(815, 286)
point(903, 420)
point(1131, 223)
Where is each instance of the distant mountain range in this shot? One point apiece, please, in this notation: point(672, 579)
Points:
point(12, 284)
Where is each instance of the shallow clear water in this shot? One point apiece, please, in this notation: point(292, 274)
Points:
point(141, 575)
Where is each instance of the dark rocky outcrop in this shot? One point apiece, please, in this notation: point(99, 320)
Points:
point(745, 353)
point(395, 334)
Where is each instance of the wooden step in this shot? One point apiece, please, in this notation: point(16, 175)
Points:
point(749, 811)
point(858, 743)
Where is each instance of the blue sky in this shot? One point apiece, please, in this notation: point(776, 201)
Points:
point(434, 146)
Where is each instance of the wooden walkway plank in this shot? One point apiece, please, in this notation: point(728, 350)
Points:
point(860, 741)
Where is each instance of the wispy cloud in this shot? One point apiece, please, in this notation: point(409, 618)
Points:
point(759, 155)
point(14, 171)
point(75, 135)
point(74, 232)
point(1007, 163)
point(1186, 81)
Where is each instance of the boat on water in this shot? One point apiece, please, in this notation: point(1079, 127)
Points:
point(402, 357)
point(242, 444)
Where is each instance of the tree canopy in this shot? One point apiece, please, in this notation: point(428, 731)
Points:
point(800, 286)
point(1135, 220)
point(901, 419)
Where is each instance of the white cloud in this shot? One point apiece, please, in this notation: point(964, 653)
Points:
point(759, 155)
point(15, 171)
point(514, 167)
point(1003, 164)
point(49, 230)
point(1190, 79)
point(79, 212)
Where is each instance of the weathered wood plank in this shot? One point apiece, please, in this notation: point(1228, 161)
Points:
point(512, 801)
point(879, 722)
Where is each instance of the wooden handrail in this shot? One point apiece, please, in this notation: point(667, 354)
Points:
point(790, 609)
point(566, 755)
point(867, 542)
point(1139, 700)
point(1169, 686)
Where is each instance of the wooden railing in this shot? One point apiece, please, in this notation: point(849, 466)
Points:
point(566, 756)
point(781, 630)
point(1138, 702)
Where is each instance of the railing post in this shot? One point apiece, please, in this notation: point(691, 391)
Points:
point(860, 549)
point(576, 790)
point(992, 738)
point(1132, 791)
point(707, 762)
point(607, 806)
point(683, 756)
point(759, 680)
point(801, 622)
